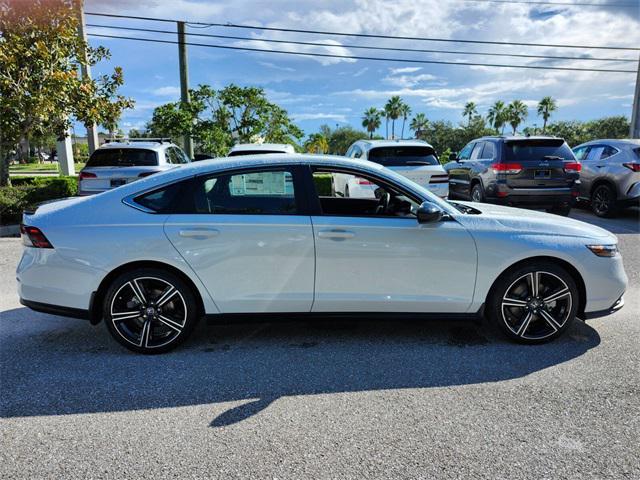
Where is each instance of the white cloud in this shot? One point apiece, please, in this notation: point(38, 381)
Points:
point(168, 91)
point(338, 117)
point(408, 80)
point(277, 67)
point(360, 72)
point(397, 71)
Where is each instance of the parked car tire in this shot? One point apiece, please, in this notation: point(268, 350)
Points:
point(477, 193)
point(150, 310)
point(603, 201)
point(563, 210)
point(534, 303)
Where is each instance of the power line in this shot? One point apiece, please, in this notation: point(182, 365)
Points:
point(356, 57)
point(368, 47)
point(361, 35)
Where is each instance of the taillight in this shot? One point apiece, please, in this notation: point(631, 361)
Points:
point(85, 175)
point(508, 168)
point(33, 237)
point(634, 167)
point(362, 181)
point(572, 166)
point(146, 174)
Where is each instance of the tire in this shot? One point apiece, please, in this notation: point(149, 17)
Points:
point(166, 309)
point(603, 201)
point(562, 210)
point(477, 193)
point(528, 318)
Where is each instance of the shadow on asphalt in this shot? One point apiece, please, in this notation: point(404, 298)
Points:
point(626, 221)
point(58, 366)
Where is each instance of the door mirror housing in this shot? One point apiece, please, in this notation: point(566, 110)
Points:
point(429, 213)
point(453, 157)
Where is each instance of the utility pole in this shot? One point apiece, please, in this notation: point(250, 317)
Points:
point(92, 129)
point(184, 80)
point(634, 131)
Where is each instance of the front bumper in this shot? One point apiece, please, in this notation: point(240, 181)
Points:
point(602, 313)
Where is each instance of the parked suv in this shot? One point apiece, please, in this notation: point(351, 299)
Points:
point(536, 172)
point(259, 149)
point(414, 159)
point(125, 161)
point(610, 176)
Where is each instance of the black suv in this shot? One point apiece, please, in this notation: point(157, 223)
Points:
point(536, 172)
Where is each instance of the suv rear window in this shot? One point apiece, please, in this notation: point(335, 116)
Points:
point(123, 157)
point(536, 150)
point(403, 156)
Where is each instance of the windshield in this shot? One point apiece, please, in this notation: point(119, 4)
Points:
point(403, 156)
point(536, 150)
point(123, 157)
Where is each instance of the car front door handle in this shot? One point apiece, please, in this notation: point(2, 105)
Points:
point(336, 234)
point(199, 233)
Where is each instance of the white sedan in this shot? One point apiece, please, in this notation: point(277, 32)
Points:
point(267, 235)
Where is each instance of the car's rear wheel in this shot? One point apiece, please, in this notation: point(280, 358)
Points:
point(534, 303)
point(150, 310)
point(603, 201)
point(477, 194)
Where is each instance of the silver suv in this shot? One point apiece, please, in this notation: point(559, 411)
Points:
point(125, 161)
point(610, 176)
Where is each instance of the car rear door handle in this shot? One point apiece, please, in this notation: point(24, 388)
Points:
point(335, 234)
point(199, 233)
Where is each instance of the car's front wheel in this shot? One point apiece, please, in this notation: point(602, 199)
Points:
point(150, 310)
point(534, 303)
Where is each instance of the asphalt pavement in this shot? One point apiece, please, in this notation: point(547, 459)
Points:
point(390, 399)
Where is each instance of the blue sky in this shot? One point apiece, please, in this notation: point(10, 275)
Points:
point(337, 91)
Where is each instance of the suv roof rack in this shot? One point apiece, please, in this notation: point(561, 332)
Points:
point(138, 139)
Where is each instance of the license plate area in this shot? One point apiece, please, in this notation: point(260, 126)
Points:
point(116, 182)
point(542, 174)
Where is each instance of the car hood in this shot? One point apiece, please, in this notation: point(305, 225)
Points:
point(532, 222)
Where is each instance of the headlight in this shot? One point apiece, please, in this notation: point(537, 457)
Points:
point(604, 250)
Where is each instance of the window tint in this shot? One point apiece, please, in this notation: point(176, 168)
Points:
point(536, 150)
point(265, 192)
point(465, 153)
point(182, 156)
point(581, 152)
point(403, 156)
point(161, 200)
point(489, 151)
point(595, 152)
point(123, 157)
point(608, 152)
point(476, 150)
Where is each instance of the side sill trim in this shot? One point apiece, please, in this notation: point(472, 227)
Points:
point(56, 309)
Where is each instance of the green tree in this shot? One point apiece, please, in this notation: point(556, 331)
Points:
point(405, 111)
point(418, 124)
point(316, 143)
point(371, 120)
point(496, 116)
point(470, 109)
point(516, 113)
point(545, 107)
point(41, 90)
point(393, 111)
point(340, 139)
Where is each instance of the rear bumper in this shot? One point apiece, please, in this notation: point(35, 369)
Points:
point(539, 200)
point(56, 309)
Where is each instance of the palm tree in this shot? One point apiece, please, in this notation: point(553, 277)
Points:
point(317, 143)
point(496, 114)
point(516, 113)
point(470, 109)
point(405, 111)
point(392, 110)
point(387, 113)
point(419, 124)
point(545, 107)
point(371, 120)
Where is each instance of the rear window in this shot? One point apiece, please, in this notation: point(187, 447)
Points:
point(536, 150)
point(403, 156)
point(123, 157)
point(637, 152)
point(252, 152)
point(161, 200)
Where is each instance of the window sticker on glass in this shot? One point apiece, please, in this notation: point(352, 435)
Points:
point(262, 183)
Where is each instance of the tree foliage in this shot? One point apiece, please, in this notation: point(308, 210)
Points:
point(41, 89)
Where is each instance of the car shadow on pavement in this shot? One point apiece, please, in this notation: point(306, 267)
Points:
point(55, 366)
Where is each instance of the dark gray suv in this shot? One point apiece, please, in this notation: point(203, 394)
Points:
point(535, 172)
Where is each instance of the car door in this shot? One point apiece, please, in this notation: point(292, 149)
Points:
point(458, 172)
point(471, 167)
point(370, 262)
point(248, 237)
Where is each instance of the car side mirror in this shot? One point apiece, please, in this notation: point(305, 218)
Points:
point(429, 213)
point(453, 157)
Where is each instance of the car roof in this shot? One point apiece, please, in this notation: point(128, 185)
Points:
point(620, 142)
point(284, 147)
point(516, 138)
point(369, 144)
point(150, 145)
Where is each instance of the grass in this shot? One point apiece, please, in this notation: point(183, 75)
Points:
point(39, 167)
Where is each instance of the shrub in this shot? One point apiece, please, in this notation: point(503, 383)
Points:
point(323, 184)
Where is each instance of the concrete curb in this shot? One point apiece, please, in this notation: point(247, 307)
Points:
point(9, 230)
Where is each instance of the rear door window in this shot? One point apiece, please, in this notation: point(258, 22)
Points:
point(401, 156)
point(123, 157)
point(475, 154)
point(595, 152)
point(581, 152)
point(488, 152)
point(537, 149)
point(608, 152)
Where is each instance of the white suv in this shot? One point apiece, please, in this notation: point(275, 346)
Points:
point(259, 149)
point(414, 159)
point(125, 161)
